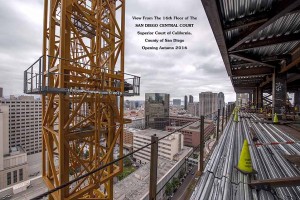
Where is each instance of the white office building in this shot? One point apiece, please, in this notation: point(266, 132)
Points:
point(168, 148)
point(13, 161)
point(25, 119)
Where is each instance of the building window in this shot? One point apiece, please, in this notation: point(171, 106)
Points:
point(15, 176)
point(21, 174)
point(8, 178)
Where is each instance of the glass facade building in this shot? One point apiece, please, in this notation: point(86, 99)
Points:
point(157, 110)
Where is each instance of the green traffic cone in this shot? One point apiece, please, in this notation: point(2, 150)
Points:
point(275, 120)
point(236, 118)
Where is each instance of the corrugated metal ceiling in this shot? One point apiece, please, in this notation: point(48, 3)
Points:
point(234, 9)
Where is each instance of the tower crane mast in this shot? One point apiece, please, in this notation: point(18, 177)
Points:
point(81, 80)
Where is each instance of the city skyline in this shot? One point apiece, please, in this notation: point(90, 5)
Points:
point(175, 72)
point(136, 99)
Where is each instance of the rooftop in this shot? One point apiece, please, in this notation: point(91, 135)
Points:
point(139, 180)
point(20, 98)
point(194, 126)
point(149, 132)
point(15, 151)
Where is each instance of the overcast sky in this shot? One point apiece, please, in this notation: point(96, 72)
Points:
point(177, 72)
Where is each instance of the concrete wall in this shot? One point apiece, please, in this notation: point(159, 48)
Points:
point(4, 149)
point(11, 161)
point(208, 103)
point(167, 147)
point(3, 175)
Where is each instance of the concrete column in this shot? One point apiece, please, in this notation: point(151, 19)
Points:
point(297, 99)
point(279, 91)
point(259, 97)
point(254, 97)
point(250, 97)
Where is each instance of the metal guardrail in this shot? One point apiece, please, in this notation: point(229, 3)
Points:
point(34, 83)
point(130, 154)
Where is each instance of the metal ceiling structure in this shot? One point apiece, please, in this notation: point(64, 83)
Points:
point(257, 38)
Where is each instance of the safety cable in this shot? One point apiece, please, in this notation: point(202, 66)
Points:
point(108, 164)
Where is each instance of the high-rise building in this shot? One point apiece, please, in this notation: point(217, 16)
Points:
point(193, 109)
point(221, 100)
point(1, 92)
point(185, 102)
point(176, 102)
point(208, 103)
point(157, 110)
point(191, 99)
point(13, 161)
point(25, 119)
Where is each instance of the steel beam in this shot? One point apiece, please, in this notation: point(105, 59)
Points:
point(252, 60)
point(252, 71)
point(244, 89)
point(268, 80)
point(281, 57)
point(291, 65)
point(293, 77)
point(246, 21)
point(268, 41)
point(245, 66)
point(251, 20)
point(278, 182)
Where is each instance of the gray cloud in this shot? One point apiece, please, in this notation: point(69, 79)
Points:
point(20, 41)
point(197, 69)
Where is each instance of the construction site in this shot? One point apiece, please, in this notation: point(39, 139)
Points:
point(259, 44)
point(82, 81)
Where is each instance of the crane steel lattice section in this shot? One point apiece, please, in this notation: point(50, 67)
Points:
point(78, 80)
